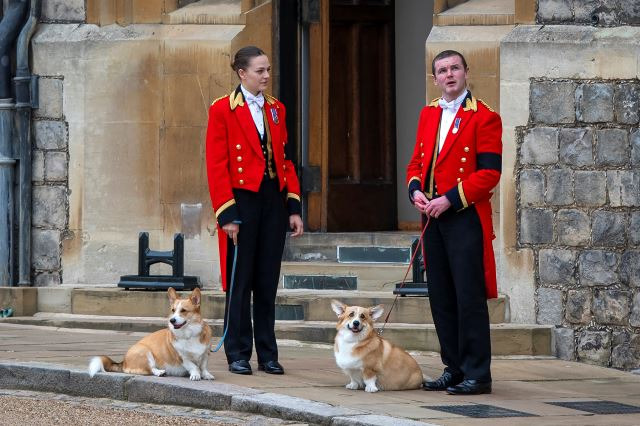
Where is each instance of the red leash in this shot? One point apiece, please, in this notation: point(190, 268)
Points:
point(418, 248)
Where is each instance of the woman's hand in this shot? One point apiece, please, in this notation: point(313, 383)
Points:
point(232, 229)
point(295, 222)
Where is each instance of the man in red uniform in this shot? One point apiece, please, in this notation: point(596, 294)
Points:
point(455, 165)
point(255, 195)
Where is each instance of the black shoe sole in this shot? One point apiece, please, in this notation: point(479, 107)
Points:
point(433, 389)
point(439, 388)
point(271, 371)
point(243, 372)
point(480, 392)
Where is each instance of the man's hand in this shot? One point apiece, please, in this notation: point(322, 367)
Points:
point(437, 206)
point(295, 222)
point(232, 229)
point(420, 200)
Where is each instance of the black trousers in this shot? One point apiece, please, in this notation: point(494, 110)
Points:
point(260, 245)
point(455, 278)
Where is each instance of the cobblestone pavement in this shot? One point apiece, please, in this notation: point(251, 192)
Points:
point(27, 408)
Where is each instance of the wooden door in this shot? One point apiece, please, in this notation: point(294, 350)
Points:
point(361, 190)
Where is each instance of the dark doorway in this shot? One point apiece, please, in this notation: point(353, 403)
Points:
point(286, 25)
point(362, 145)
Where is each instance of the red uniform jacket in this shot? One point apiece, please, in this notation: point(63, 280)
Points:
point(235, 159)
point(467, 168)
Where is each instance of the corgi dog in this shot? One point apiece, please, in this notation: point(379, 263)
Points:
point(180, 349)
point(370, 361)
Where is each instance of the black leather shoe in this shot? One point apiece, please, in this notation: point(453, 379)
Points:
point(443, 382)
point(271, 367)
point(240, 367)
point(470, 387)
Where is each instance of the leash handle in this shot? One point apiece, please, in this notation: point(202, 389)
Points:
point(418, 247)
point(233, 276)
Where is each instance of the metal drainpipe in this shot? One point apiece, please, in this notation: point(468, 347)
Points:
point(25, 83)
point(9, 26)
point(7, 164)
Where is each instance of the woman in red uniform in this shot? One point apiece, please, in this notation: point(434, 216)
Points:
point(256, 195)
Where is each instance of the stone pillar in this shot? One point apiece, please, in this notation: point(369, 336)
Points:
point(572, 115)
point(50, 200)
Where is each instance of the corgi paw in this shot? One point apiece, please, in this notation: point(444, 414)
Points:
point(370, 388)
point(207, 376)
point(195, 376)
point(352, 386)
point(159, 373)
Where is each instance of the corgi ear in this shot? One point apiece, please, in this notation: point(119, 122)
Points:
point(195, 296)
point(376, 311)
point(172, 295)
point(338, 307)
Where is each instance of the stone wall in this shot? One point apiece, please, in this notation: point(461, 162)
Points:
point(119, 138)
point(578, 171)
point(50, 165)
point(589, 12)
point(136, 125)
point(63, 11)
point(50, 161)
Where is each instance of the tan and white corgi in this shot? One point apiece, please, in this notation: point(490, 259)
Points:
point(180, 349)
point(370, 361)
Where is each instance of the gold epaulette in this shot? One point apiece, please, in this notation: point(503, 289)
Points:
point(485, 104)
point(270, 99)
point(434, 102)
point(216, 100)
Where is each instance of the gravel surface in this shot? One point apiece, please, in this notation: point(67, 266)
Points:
point(26, 408)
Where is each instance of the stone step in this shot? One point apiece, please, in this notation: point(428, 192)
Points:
point(373, 254)
point(211, 12)
point(478, 12)
point(506, 339)
point(350, 246)
point(355, 276)
point(293, 305)
point(411, 310)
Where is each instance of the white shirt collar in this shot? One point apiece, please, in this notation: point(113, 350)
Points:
point(247, 93)
point(456, 102)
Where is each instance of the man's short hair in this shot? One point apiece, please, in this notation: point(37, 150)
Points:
point(447, 54)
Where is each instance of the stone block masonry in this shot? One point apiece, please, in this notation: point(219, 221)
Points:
point(578, 209)
point(604, 13)
point(50, 197)
point(63, 11)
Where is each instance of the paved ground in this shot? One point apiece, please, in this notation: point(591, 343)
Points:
point(530, 387)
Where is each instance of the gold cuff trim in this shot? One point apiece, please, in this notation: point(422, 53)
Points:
point(224, 207)
point(412, 179)
point(293, 195)
point(462, 197)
